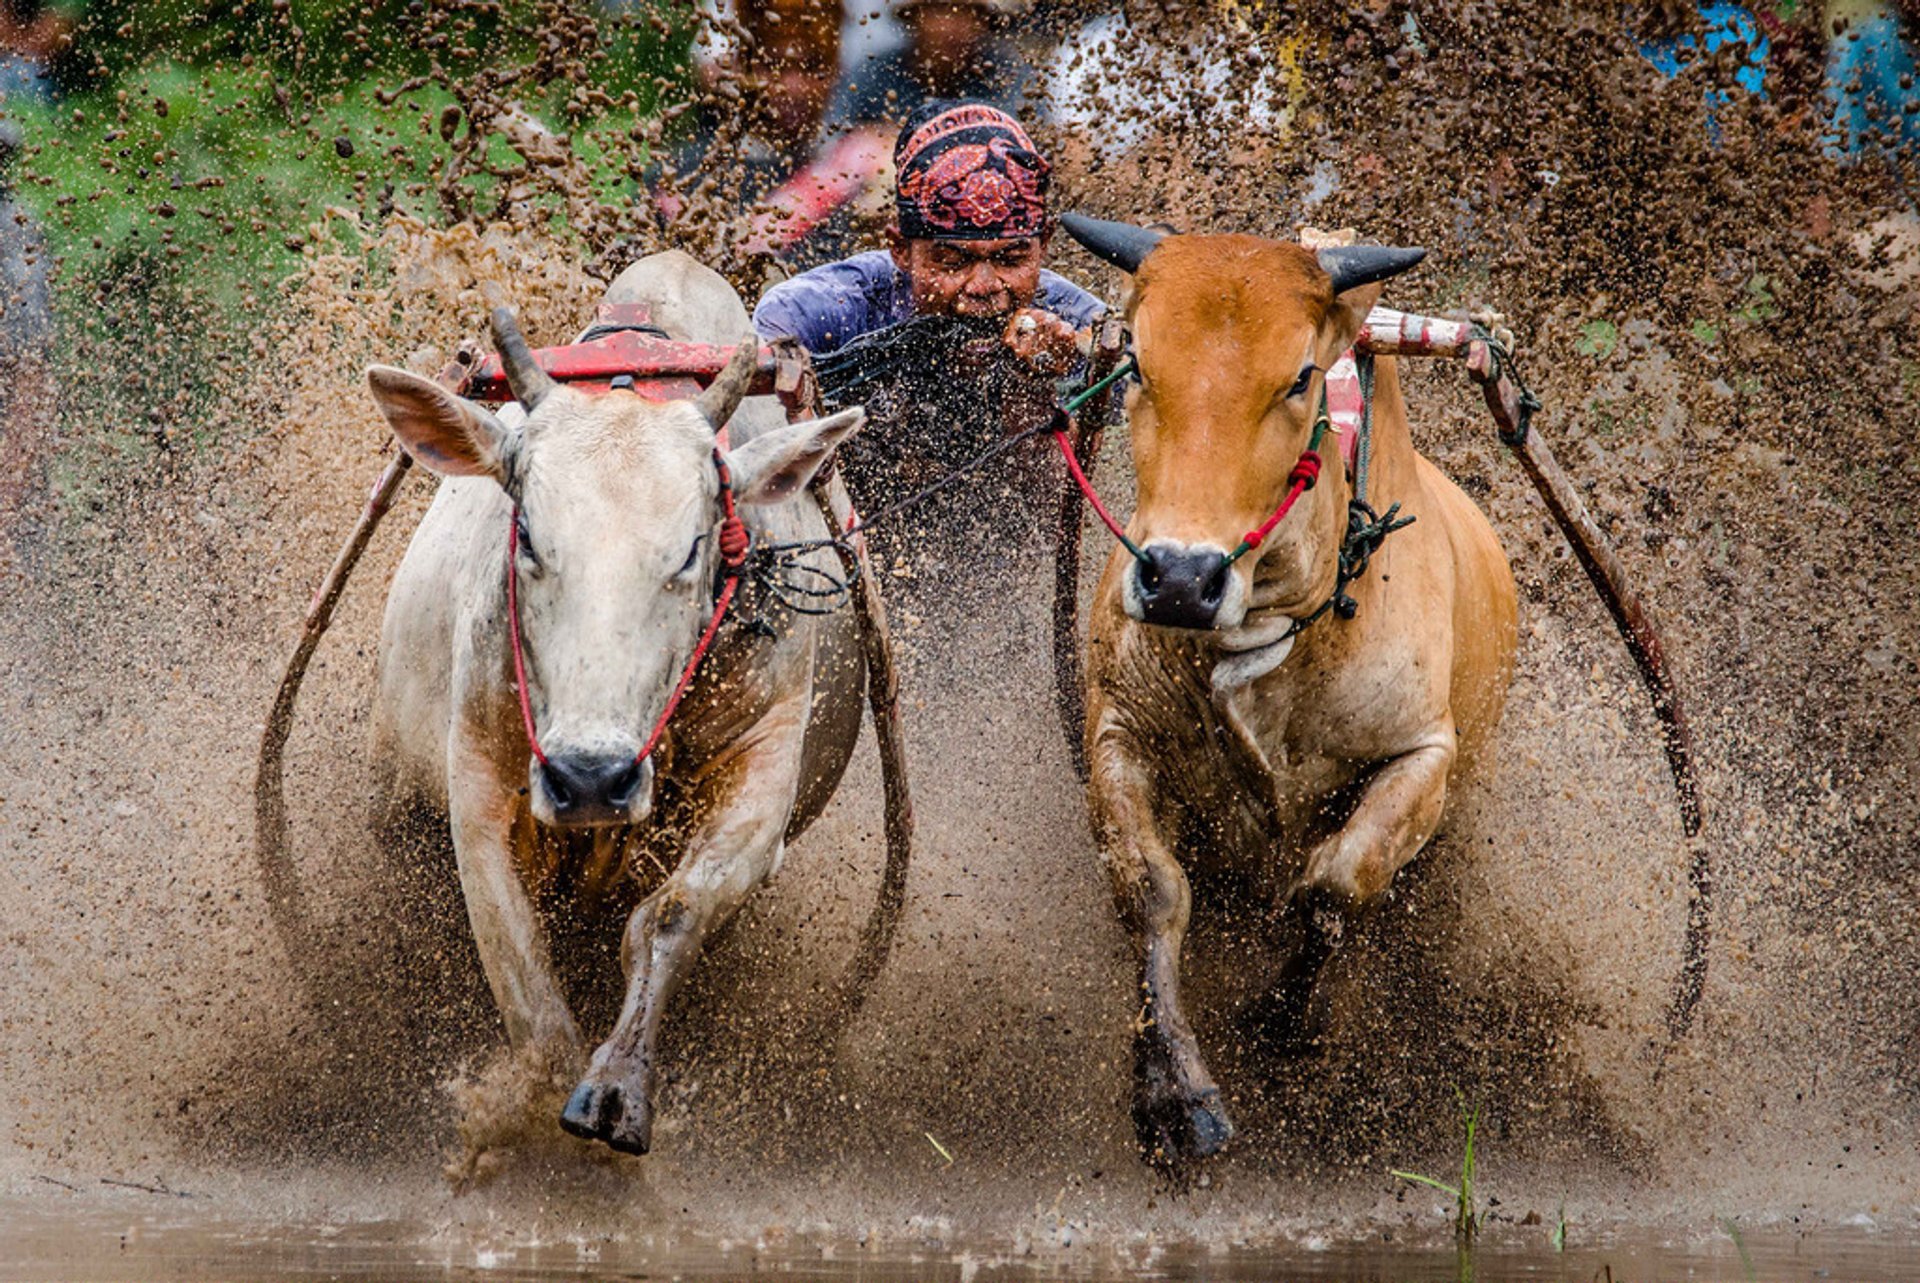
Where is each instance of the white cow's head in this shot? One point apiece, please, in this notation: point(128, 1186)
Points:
point(615, 553)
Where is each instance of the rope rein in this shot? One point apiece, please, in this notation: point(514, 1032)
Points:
point(735, 544)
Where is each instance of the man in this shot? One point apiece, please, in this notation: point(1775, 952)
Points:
point(971, 233)
point(766, 70)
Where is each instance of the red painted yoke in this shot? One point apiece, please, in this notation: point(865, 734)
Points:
point(632, 351)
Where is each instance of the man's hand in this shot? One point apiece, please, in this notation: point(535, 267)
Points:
point(1045, 342)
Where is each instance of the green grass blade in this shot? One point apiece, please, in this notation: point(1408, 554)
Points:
point(1416, 1177)
point(1746, 1261)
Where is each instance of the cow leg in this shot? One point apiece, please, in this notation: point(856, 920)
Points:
point(506, 926)
point(730, 854)
point(1178, 1116)
point(1399, 810)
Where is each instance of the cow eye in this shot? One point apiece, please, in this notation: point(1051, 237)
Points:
point(524, 540)
point(1301, 384)
point(692, 563)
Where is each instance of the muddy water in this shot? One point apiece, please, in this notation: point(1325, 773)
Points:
point(102, 1246)
point(1760, 483)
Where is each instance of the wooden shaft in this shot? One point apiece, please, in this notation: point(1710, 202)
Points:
point(1069, 677)
point(286, 903)
point(1108, 344)
point(1597, 557)
point(883, 701)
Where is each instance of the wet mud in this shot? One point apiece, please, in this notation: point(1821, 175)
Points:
point(1720, 320)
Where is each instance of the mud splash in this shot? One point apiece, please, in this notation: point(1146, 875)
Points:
point(1719, 320)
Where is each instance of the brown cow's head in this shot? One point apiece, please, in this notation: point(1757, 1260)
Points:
point(614, 552)
point(1232, 335)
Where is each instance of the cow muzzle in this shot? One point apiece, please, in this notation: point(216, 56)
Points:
point(1184, 586)
point(591, 790)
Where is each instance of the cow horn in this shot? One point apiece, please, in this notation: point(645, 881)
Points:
point(528, 382)
point(1122, 244)
point(1357, 265)
point(720, 398)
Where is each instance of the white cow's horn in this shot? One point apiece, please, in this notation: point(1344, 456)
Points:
point(1357, 265)
point(720, 398)
point(1122, 244)
point(529, 382)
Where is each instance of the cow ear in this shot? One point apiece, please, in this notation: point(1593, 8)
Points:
point(776, 464)
point(444, 433)
point(1343, 320)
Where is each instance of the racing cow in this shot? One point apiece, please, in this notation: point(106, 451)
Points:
point(1233, 721)
point(580, 543)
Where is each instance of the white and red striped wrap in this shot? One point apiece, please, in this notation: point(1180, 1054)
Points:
point(1390, 333)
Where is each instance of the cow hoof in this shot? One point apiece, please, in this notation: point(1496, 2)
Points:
point(1175, 1129)
point(604, 1112)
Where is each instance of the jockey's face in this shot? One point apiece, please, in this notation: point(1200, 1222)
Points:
point(970, 278)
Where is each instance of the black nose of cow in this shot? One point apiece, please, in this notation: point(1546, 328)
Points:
point(1180, 587)
point(592, 788)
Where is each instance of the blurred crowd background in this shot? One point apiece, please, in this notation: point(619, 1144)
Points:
point(173, 159)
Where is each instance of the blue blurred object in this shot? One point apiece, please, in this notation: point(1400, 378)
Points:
point(1873, 83)
point(1727, 24)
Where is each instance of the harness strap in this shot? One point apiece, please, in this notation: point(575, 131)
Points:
point(735, 543)
point(1300, 479)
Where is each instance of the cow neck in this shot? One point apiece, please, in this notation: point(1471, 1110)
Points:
point(735, 543)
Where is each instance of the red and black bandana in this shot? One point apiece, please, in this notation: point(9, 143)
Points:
point(969, 172)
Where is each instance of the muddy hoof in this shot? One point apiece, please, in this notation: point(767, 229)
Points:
point(604, 1112)
point(1175, 1130)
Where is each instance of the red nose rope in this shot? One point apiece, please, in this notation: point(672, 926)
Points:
point(734, 543)
point(1300, 479)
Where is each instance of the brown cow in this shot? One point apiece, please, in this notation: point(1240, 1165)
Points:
point(1220, 734)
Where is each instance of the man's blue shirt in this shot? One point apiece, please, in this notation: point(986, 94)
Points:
point(824, 308)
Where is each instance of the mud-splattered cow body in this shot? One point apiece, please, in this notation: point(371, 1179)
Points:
point(615, 562)
point(1316, 764)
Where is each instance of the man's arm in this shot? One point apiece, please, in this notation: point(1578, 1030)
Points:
point(1064, 299)
point(824, 308)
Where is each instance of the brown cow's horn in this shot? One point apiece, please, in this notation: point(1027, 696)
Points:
point(722, 397)
point(530, 383)
point(1359, 265)
point(1122, 244)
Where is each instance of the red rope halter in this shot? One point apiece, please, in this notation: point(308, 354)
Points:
point(1300, 478)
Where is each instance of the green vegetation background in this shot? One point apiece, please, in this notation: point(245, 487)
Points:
point(195, 143)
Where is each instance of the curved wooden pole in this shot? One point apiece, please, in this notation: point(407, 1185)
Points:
point(1512, 409)
point(1069, 681)
point(883, 702)
point(286, 901)
point(795, 386)
point(1597, 557)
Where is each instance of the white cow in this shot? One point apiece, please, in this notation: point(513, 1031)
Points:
point(615, 562)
